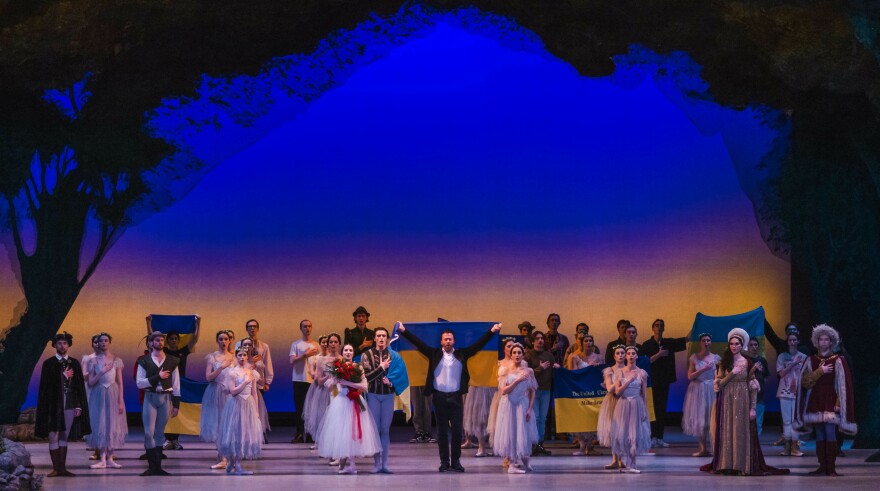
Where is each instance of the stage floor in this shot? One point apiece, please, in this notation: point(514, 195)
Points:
point(414, 465)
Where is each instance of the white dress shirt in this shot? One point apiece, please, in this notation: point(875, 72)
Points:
point(144, 383)
point(447, 375)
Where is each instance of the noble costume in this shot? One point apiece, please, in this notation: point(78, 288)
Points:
point(57, 400)
point(736, 446)
point(827, 400)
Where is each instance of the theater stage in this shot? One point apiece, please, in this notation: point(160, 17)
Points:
point(286, 466)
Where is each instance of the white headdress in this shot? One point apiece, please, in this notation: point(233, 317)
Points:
point(739, 333)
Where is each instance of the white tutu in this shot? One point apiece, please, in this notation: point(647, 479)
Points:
point(697, 413)
point(339, 437)
point(315, 407)
point(109, 428)
point(513, 436)
point(263, 412)
point(606, 411)
point(213, 402)
point(698, 400)
point(476, 410)
point(631, 428)
point(241, 433)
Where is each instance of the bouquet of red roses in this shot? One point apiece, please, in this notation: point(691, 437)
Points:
point(351, 372)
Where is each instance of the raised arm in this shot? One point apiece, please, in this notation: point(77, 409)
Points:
point(195, 338)
point(778, 343)
point(418, 343)
point(479, 343)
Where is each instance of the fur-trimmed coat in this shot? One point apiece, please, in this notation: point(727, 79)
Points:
point(842, 411)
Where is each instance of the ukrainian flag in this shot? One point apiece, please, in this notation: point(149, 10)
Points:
point(185, 325)
point(578, 396)
point(718, 327)
point(483, 366)
point(190, 413)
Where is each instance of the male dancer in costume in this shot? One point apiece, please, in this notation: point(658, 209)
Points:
point(380, 394)
point(62, 405)
point(157, 374)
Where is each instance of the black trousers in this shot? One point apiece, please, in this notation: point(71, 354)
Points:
point(449, 411)
point(299, 401)
point(660, 397)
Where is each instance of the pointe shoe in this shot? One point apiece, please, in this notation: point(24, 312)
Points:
point(220, 465)
point(515, 470)
point(333, 462)
point(113, 464)
point(612, 466)
point(579, 453)
point(101, 464)
point(701, 453)
point(632, 470)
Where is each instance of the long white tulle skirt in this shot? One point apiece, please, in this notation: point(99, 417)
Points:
point(339, 436)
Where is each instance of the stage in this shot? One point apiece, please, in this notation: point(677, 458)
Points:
point(289, 465)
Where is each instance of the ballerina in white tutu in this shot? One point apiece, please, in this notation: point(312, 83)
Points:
point(630, 427)
point(348, 429)
point(241, 433)
point(504, 366)
point(516, 430)
point(106, 406)
point(315, 393)
point(258, 365)
point(696, 419)
point(606, 412)
point(216, 394)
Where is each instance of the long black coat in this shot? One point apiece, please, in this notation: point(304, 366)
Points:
point(50, 402)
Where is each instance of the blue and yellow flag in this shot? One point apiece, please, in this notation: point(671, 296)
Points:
point(578, 396)
point(483, 366)
point(185, 325)
point(190, 413)
point(719, 327)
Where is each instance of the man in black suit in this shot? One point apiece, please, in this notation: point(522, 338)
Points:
point(447, 382)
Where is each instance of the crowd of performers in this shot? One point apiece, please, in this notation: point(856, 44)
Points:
point(347, 408)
